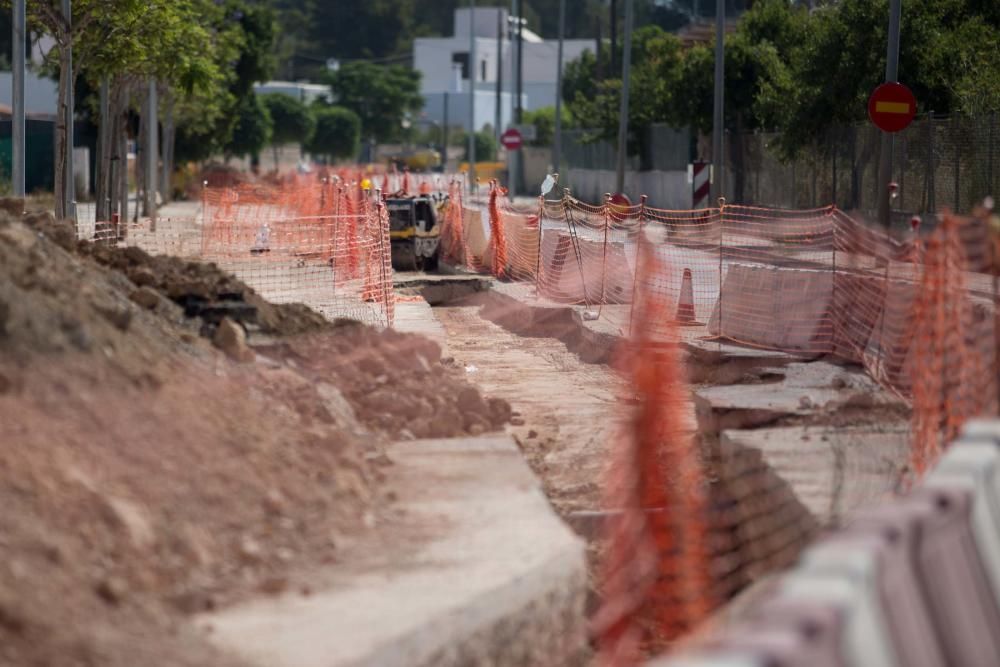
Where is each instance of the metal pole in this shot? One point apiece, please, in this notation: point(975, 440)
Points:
point(152, 151)
point(17, 125)
point(498, 113)
point(165, 148)
point(885, 147)
point(557, 141)
point(472, 92)
point(69, 205)
point(623, 113)
point(519, 108)
point(614, 34)
point(444, 138)
point(717, 109)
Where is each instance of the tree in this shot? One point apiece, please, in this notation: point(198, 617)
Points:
point(544, 120)
point(337, 134)
point(243, 38)
point(160, 38)
point(486, 146)
point(948, 57)
point(252, 130)
point(381, 96)
point(293, 122)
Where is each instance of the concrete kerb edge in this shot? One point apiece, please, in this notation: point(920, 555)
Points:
point(529, 609)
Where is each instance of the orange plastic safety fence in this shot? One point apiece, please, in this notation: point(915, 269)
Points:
point(317, 242)
point(656, 580)
point(952, 356)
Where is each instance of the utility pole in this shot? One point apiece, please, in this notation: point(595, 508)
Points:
point(444, 133)
point(518, 116)
point(886, 140)
point(472, 93)
point(557, 142)
point(152, 151)
point(623, 113)
point(498, 111)
point(717, 109)
point(614, 35)
point(69, 202)
point(17, 124)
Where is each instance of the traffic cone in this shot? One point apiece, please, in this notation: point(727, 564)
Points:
point(685, 307)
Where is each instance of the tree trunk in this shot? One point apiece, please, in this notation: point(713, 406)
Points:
point(167, 148)
point(102, 185)
point(60, 143)
point(117, 187)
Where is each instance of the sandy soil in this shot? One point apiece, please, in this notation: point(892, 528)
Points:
point(145, 476)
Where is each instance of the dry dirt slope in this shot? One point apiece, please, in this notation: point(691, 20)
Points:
point(144, 476)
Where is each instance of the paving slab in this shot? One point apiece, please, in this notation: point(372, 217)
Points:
point(497, 578)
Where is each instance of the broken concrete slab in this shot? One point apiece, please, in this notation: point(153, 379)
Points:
point(818, 390)
point(495, 577)
point(779, 308)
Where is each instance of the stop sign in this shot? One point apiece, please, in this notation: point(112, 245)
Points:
point(892, 107)
point(511, 139)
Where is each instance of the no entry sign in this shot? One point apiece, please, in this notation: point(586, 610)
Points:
point(511, 139)
point(892, 107)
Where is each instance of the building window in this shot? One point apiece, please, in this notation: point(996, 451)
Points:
point(482, 70)
point(463, 60)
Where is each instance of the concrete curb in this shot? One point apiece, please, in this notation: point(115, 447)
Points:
point(497, 578)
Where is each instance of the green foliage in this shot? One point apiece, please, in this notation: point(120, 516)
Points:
point(544, 120)
point(381, 95)
point(338, 133)
point(655, 92)
point(486, 146)
point(948, 57)
point(252, 130)
point(797, 71)
point(239, 46)
point(293, 121)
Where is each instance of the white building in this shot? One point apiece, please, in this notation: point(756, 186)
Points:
point(444, 65)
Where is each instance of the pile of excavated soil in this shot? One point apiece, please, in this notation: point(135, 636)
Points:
point(146, 476)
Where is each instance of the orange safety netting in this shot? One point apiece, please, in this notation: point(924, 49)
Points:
point(811, 283)
point(321, 242)
point(694, 519)
point(657, 581)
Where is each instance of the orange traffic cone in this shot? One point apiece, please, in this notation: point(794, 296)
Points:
point(685, 307)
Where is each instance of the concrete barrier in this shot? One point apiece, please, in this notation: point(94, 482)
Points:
point(784, 309)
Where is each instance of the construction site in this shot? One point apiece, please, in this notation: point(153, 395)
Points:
point(416, 333)
point(593, 433)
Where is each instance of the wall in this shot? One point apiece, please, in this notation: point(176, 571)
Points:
point(40, 94)
point(458, 108)
point(665, 189)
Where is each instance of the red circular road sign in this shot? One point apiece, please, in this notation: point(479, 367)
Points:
point(892, 107)
point(511, 139)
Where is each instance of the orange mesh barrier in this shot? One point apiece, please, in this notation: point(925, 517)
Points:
point(312, 242)
point(656, 582)
point(952, 356)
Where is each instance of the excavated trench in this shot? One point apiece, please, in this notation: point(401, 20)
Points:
point(763, 456)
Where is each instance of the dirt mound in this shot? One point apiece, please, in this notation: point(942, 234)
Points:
point(145, 476)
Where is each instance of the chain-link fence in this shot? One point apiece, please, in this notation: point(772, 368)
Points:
point(938, 163)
